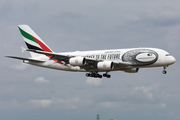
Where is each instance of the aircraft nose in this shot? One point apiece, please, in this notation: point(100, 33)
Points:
point(171, 60)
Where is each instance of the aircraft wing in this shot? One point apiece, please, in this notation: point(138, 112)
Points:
point(61, 57)
point(28, 59)
point(90, 62)
point(52, 56)
point(47, 53)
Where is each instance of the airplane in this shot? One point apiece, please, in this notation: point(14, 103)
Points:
point(92, 62)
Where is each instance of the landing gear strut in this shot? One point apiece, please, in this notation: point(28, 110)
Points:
point(96, 75)
point(164, 71)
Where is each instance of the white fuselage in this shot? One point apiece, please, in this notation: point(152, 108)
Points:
point(139, 57)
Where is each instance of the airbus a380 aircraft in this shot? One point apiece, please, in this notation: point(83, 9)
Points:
point(92, 62)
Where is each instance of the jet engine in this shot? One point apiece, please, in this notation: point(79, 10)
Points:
point(107, 65)
point(132, 70)
point(77, 61)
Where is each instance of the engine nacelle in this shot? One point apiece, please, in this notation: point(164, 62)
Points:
point(132, 70)
point(77, 61)
point(107, 65)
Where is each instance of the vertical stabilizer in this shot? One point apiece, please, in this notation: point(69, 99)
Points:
point(32, 40)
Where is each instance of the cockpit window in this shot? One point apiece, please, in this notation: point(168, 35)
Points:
point(168, 54)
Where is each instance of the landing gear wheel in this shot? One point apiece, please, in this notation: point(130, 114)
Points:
point(99, 76)
point(106, 75)
point(87, 74)
point(93, 74)
point(164, 72)
point(96, 75)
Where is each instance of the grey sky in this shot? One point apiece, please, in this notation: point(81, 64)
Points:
point(33, 93)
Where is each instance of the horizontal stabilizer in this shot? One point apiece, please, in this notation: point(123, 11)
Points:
point(28, 59)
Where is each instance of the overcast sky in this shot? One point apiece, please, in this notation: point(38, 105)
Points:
point(34, 93)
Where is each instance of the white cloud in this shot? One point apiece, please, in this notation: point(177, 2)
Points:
point(128, 106)
point(20, 67)
point(41, 80)
point(93, 81)
point(145, 91)
point(109, 104)
point(54, 103)
point(162, 105)
point(71, 103)
point(61, 103)
point(41, 103)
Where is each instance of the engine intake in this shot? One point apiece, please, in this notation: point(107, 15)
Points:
point(77, 61)
point(107, 65)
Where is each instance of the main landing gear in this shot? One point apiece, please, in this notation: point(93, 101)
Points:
point(164, 71)
point(96, 75)
point(93, 74)
point(106, 75)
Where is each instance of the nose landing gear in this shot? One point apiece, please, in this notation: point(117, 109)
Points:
point(164, 71)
